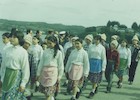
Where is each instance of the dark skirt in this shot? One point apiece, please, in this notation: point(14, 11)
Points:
point(94, 77)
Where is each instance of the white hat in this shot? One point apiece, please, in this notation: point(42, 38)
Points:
point(115, 37)
point(62, 32)
point(115, 42)
point(74, 38)
point(103, 36)
point(28, 39)
point(89, 37)
point(135, 37)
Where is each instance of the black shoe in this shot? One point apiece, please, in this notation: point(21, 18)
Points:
point(108, 89)
point(28, 98)
point(118, 82)
point(78, 94)
point(55, 94)
point(91, 95)
point(65, 84)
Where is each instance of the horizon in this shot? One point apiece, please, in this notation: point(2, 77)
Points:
point(67, 12)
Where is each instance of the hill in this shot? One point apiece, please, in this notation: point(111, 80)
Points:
point(23, 25)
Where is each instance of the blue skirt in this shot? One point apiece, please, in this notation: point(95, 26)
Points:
point(95, 65)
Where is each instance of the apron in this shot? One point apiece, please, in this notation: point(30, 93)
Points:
point(49, 76)
point(76, 72)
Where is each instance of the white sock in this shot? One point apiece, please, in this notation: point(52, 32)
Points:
point(93, 90)
point(78, 89)
point(52, 98)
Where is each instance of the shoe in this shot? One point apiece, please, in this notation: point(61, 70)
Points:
point(78, 94)
point(91, 95)
point(65, 84)
point(120, 85)
point(118, 82)
point(28, 98)
point(108, 89)
point(72, 98)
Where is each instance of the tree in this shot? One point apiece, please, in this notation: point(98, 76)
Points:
point(108, 23)
point(134, 26)
point(123, 26)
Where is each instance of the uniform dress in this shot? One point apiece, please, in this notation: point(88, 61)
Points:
point(14, 73)
point(97, 59)
point(125, 60)
point(49, 70)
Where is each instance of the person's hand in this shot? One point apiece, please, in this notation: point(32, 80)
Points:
point(21, 89)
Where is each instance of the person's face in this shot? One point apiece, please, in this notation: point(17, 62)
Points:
point(87, 41)
point(35, 41)
point(123, 44)
point(73, 42)
point(44, 46)
point(134, 42)
point(50, 44)
point(78, 45)
point(26, 45)
point(5, 39)
point(96, 41)
point(14, 41)
point(113, 46)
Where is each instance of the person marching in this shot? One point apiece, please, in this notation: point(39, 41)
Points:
point(77, 67)
point(97, 59)
point(51, 68)
point(112, 63)
point(15, 69)
point(135, 50)
point(125, 61)
point(33, 68)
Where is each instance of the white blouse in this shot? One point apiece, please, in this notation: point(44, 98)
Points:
point(16, 57)
point(125, 53)
point(37, 51)
point(98, 52)
point(79, 57)
point(48, 59)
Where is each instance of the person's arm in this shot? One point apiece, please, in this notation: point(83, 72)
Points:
point(86, 65)
point(25, 69)
point(60, 65)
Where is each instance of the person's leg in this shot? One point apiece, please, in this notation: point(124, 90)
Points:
point(132, 71)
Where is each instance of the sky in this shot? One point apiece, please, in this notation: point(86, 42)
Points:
point(72, 12)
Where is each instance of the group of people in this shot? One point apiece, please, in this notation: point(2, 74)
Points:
point(30, 64)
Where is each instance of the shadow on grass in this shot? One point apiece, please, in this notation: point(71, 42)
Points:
point(136, 95)
point(132, 88)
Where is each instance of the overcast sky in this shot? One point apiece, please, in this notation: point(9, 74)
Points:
point(72, 12)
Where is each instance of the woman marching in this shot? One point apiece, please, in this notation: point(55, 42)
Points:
point(15, 69)
point(51, 68)
point(77, 67)
point(125, 61)
point(97, 59)
point(112, 63)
